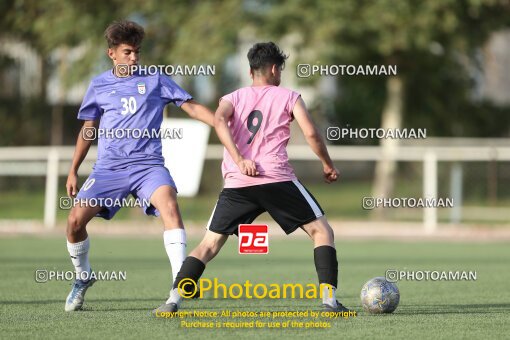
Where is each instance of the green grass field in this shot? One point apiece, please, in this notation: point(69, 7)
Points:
point(120, 309)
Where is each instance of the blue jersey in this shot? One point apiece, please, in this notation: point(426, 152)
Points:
point(132, 103)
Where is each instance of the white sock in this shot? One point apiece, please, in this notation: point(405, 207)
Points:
point(329, 295)
point(80, 256)
point(175, 246)
point(175, 297)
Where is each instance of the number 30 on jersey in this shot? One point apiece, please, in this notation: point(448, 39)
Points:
point(128, 105)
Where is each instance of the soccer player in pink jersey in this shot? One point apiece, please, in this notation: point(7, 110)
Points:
point(253, 123)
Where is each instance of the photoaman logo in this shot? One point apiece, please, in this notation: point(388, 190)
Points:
point(187, 288)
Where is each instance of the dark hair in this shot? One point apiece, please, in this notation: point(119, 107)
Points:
point(124, 32)
point(265, 54)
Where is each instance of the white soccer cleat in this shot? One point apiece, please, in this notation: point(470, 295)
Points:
point(76, 297)
point(165, 308)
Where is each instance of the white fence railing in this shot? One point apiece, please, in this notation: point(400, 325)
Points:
point(53, 162)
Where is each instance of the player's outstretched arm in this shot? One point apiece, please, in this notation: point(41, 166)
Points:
point(81, 150)
point(199, 112)
point(223, 113)
point(314, 139)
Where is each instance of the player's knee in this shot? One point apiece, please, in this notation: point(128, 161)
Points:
point(321, 230)
point(74, 223)
point(326, 231)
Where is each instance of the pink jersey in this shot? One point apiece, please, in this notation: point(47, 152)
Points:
point(260, 127)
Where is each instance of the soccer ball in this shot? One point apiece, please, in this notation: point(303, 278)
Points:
point(379, 296)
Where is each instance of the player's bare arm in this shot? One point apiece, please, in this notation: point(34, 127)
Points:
point(314, 139)
point(221, 118)
point(80, 152)
point(199, 112)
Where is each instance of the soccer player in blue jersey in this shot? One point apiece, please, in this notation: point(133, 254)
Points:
point(117, 99)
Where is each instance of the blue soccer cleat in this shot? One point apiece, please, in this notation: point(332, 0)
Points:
point(76, 297)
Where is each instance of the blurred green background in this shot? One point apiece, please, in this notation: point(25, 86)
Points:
point(453, 79)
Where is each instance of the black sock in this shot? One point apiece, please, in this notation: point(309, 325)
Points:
point(192, 268)
point(326, 265)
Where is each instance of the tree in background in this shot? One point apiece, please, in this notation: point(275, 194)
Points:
point(427, 40)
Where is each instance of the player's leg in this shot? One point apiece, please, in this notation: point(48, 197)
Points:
point(293, 206)
point(326, 263)
point(194, 264)
point(209, 247)
point(192, 269)
point(155, 184)
point(77, 238)
point(234, 207)
point(174, 236)
point(78, 246)
point(97, 188)
point(320, 232)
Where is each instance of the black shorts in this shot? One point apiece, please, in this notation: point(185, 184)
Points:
point(288, 203)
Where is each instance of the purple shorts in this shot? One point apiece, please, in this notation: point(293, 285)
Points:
point(113, 186)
